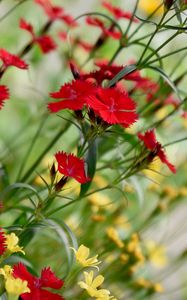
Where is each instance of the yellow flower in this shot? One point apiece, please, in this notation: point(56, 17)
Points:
point(149, 6)
point(92, 284)
point(82, 257)
point(158, 288)
point(156, 253)
point(14, 286)
point(12, 243)
point(114, 236)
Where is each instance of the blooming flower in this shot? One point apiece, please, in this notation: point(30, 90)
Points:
point(71, 166)
point(75, 96)
point(114, 106)
point(93, 21)
point(82, 255)
point(56, 12)
point(37, 285)
point(14, 286)
point(117, 12)
point(12, 243)
point(45, 42)
point(9, 59)
point(152, 144)
point(2, 242)
point(4, 95)
point(91, 285)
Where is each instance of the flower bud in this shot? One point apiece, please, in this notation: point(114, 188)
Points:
point(168, 4)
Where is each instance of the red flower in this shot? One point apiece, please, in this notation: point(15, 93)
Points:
point(45, 42)
point(37, 285)
point(4, 95)
point(118, 13)
point(148, 86)
point(56, 12)
point(114, 106)
point(12, 60)
point(2, 242)
point(71, 166)
point(108, 72)
point(74, 95)
point(152, 144)
point(106, 31)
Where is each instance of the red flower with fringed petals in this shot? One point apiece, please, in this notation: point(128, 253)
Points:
point(37, 285)
point(74, 95)
point(71, 166)
point(106, 31)
point(4, 95)
point(56, 12)
point(114, 106)
point(9, 59)
point(118, 13)
point(45, 42)
point(152, 144)
point(2, 242)
point(108, 72)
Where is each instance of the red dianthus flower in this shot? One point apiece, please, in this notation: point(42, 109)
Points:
point(152, 144)
point(114, 106)
point(9, 59)
point(37, 285)
point(71, 166)
point(74, 95)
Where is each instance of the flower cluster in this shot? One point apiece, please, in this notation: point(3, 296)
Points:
point(18, 281)
point(91, 284)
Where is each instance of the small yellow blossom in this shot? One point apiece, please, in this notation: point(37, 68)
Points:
point(156, 253)
point(114, 236)
point(92, 284)
point(82, 257)
point(12, 243)
point(14, 286)
point(149, 6)
point(158, 288)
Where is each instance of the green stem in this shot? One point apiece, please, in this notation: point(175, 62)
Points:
point(49, 146)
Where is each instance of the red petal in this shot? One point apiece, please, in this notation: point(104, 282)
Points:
point(12, 60)
point(2, 242)
point(75, 96)
point(163, 157)
point(20, 271)
point(26, 26)
point(149, 139)
point(48, 279)
point(71, 166)
point(4, 95)
point(46, 43)
point(118, 12)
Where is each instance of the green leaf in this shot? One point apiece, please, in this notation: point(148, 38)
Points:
point(165, 77)
point(91, 161)
point(67, 237)
point(125, 71)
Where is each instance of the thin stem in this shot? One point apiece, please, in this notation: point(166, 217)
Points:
point(49, 146)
